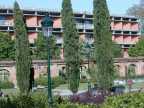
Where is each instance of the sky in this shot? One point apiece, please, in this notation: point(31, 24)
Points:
point(117, 7)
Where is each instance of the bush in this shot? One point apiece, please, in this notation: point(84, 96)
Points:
point(42, 80)
point(6, 84)
point(23, 101)
point(57, 81)
point(36, 100)
point(132, 100)
point(40, 100)
point(70, 105)
point(5, 103)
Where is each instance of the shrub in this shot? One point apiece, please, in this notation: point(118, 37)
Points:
point(42, 80)
point(6, 84)
point(23, 101)
point(5, 103)
point(40, 100)
point(70, 105)
point(56, 81)
point(132, 100)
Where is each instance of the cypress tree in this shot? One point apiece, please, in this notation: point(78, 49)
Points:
point(103, 45)
point(71, 46)
point(23, 60)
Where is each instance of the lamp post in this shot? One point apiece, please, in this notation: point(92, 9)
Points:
point(47, 27)
point(88, 48)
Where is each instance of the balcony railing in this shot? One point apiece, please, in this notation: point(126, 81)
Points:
point(88, 26)
point(5, 23)
point(80, 25)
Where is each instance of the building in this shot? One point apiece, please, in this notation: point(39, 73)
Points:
point(125, 29)
point(8, 69)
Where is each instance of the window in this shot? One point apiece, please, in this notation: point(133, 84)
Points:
point(4, 75)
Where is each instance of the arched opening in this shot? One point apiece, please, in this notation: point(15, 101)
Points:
point(131, 71)
point(4, 75)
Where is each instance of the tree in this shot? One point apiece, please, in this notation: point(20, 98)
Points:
point(7, 47)
point(41, 48)
point(138, 50)
point(103, 45)
point(137, 9)
point(23, 59)
point(116, 50)
point(71, 46)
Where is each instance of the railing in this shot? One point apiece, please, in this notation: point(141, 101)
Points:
point(80, 25)
point(5, 23)
point(88, 26)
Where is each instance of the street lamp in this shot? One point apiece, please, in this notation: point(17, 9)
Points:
point(88, 50)
point(47, 27)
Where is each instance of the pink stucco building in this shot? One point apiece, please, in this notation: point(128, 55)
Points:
point(125, 29)
point(8, 68)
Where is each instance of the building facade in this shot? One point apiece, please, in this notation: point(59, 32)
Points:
point(125, 29)
point(8, 69)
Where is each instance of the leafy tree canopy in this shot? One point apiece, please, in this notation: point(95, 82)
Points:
point(41, 47)
point(138, 50)
point(7, 47)
point(137, 9)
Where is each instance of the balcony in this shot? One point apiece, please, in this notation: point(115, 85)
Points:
point(5, 23)
point(79, 25)
point(88, 26)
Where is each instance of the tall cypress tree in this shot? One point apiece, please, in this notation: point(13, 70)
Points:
point(71, 46)
point(103, 45)
point(23, 60)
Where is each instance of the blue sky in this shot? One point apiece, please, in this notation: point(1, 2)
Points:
point(115, 6)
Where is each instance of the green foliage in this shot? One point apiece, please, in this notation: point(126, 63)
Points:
point(23, 101)
point(93, 73)
point(117, 50)
point(6, 85)
point(138, 50)
point(41, 47)
point(7, 47)
point(37, 100)
point(70, 105)
point(131, 72)
point(103, 45)
point(85, 52)
point(133, 100)
point(71, 46)
point(40, 100)
point(23, 59)
point(42, 80)
point(56, 81)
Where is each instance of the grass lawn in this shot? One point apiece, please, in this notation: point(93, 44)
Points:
point(83, 86)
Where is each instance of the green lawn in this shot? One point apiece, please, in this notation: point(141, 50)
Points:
point(83, 86)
